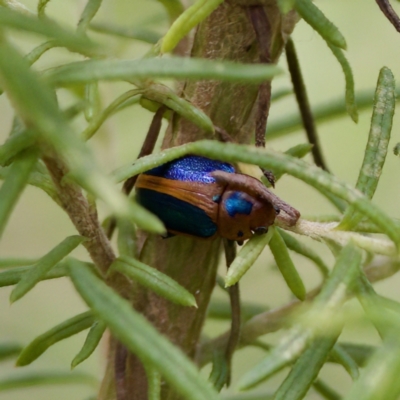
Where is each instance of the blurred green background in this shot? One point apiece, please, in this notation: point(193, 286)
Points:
point(37, 224)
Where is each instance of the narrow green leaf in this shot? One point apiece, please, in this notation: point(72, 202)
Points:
point(41, 112)
point(62, 331)
point(306, 369)
point(126, 239)
point(15, 144)
point(173, 67)
point(92, 100)
point(20, 381)
point(298, 151)
point(350, 99)
point(38, 51)
point(44, 265)
point(8, 350)
point(184, 108)
point(38, 179)
point(286, 266)
point(379, 379)
point(46, 27)
point(141, 34)
point(100, 117)
point(92, 340)
point(314, 17)
point(41, 7)
point(221, 309)
point(16, 262)
point(141, 338)
point(310, 174)
point(340, 355)
point(153, 279)
point(295, 245)
point(360, 353)
point(332, 109)
point(200, 10)
point(14, 184)
point(317, 322)
point(377, 145)
point(281, 94)
point(154, 383)
point(250, 396)
point(325, 391)
point(247, 256)
point(92, 6)
point(14, 275)
point(174, 8)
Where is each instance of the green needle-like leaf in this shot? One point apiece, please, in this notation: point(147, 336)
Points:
point(295, 245)
point(26, 380)
point(15, 144)
point(174, 67)
point(350, 98)
point(286, 266)
point(46, 27)
point(314, 17)
point(8, 350)
point(14, 183)
point(341, 356)
point(246, 257)
point(200, 10)
point(62, 331)
point(92, 340)
point(131, 33)
point(14, 275)
point(306, 369)
point(327, 111)
point(135, 332)
point(377, 145)
point(44, 265)
point(16, 262)
point(153, 279)
point(92, 6)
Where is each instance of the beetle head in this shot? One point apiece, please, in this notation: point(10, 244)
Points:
point(241, 215)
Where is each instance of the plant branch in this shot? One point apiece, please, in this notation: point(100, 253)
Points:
point(82, 215)
point(389, 13)
point(303, 103)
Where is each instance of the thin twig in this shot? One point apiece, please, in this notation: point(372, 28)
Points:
point(389, 13)
point(121, 356)
point(304, 105)
point(234, 295)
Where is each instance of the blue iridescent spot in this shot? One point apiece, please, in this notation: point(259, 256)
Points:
point(236, 204)
point(191, 168)
point(240, 234)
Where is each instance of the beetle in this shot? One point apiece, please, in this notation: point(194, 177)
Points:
point(205, 198)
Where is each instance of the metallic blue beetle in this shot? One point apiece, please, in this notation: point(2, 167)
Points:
point(200, 197)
